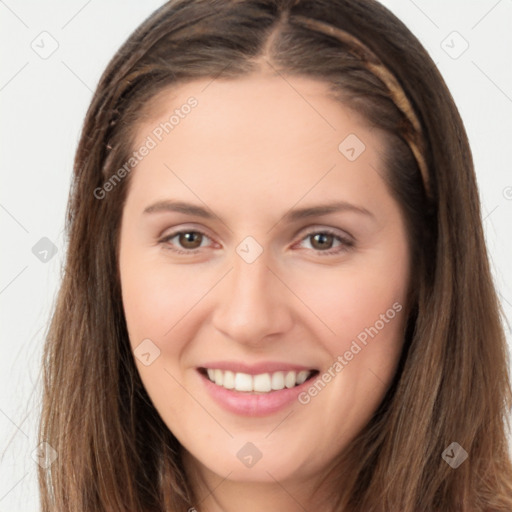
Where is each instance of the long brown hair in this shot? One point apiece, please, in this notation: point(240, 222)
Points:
point(114, 452)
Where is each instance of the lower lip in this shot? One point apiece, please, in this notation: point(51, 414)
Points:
point(254, 404)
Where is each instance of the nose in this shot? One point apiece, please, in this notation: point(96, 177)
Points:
point(252, 304)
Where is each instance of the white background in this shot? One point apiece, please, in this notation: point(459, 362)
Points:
point(43, 103)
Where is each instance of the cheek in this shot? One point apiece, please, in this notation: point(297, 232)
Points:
point(361, 311)
point(364, 310)
point(156, 296)
point(351, 298)
point(157, 299)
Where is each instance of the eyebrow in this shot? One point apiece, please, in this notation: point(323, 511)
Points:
point(290, 216)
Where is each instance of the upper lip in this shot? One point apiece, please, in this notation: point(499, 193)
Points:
point(255, 369)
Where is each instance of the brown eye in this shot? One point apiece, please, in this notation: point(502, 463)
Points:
point(322, 241)
point(190, 239)
point(185, 242)
point(325, 242)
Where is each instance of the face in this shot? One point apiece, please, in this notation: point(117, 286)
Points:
point(264, 269)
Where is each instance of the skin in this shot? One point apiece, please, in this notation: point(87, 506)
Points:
point(251, 150)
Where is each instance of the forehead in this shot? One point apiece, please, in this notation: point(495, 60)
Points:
point(295, 91)
point(256, 136)
point(257, 104)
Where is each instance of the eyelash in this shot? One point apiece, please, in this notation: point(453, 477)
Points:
point(346, 242)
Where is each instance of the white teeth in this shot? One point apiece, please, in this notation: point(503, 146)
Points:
point(219, 377)
point(229, 380)
point(261, 383)
point(278, 381)
point(302, 376)
point(290, 379)
point(243, 382)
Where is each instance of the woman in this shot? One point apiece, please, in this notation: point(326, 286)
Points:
point(277, 292)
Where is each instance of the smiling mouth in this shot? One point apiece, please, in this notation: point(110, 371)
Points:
point(260, 383)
